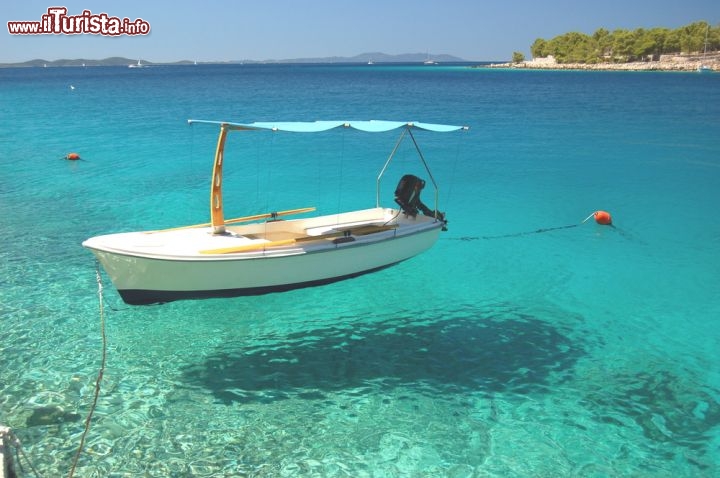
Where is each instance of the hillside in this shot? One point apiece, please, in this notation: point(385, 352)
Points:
point(622, 46)
point(375, 57)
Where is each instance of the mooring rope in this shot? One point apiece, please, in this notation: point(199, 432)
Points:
point(100, 372)
point(605, 220)
point(15, 442)
point(515, 234)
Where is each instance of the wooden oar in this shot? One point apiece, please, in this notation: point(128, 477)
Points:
point(265, 245)
point(358, 231)
point(249, 247)
point(241, 219)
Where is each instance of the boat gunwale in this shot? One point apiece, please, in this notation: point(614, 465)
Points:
point(279, 252)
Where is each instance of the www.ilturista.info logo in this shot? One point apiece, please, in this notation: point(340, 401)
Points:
point(57, 22)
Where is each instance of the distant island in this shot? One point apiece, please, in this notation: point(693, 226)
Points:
point(685, 48)
point(372, 57)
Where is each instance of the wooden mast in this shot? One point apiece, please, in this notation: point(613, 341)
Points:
point(216, 201)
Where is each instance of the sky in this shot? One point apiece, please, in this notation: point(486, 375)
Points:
point(227, 30)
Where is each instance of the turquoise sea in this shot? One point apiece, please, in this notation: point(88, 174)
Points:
point(515, 347)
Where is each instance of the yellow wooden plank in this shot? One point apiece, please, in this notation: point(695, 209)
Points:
point(357, 230)
point(248, 247)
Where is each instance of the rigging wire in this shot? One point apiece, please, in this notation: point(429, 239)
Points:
point(265, 164)
point(270, 156)
point(340, 173)
point(453, 171)
point(191, 188)
point(101, 372)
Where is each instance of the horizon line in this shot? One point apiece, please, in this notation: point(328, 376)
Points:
point(361, 57)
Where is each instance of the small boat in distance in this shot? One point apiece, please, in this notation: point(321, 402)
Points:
point(704, 68)
point(428, 60)
point(263, 253)
point(136, 65)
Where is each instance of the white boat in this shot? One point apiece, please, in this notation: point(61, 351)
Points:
point(136, 65)
point(428, 60)
point(703, 67)
point(265, 253)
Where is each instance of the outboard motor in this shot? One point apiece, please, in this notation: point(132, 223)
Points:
point(407, 195)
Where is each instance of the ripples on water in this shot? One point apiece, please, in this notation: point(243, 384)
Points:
point(573, 352)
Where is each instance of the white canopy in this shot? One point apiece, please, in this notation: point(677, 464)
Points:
point(371, 126)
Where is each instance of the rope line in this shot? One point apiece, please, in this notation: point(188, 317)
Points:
point(601, 217)
point(15, 442)
point(516, 234)
point(100, 372)
point(541, 230)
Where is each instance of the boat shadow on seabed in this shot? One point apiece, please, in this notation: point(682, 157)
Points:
point(465, 351)
point(439, 357)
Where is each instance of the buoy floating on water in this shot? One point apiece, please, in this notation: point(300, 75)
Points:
point(603, 217)
point(72, 156)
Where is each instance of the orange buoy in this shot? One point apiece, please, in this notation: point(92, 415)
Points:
point(603, 217)
point(72, 156)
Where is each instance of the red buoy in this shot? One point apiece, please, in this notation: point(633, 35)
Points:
point(72, 156)
point(603, 217)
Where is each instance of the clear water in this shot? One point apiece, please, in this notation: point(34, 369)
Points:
point(583, 351)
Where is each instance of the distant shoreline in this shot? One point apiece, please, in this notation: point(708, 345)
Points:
point(363, 58)
point(664, 63)
point(464, 64)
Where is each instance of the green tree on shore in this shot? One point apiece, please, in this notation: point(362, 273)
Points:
point(627, 45)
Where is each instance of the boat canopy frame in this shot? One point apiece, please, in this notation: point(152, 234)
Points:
point(217, 220)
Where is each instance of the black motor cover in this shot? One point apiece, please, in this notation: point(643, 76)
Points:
point(407, 195)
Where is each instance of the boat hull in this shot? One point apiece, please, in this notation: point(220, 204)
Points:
point(146, 278)
point(158, 296)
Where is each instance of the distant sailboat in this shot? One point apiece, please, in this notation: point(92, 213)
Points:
point(428, 60)
point(704, 68)
point(138, 65)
